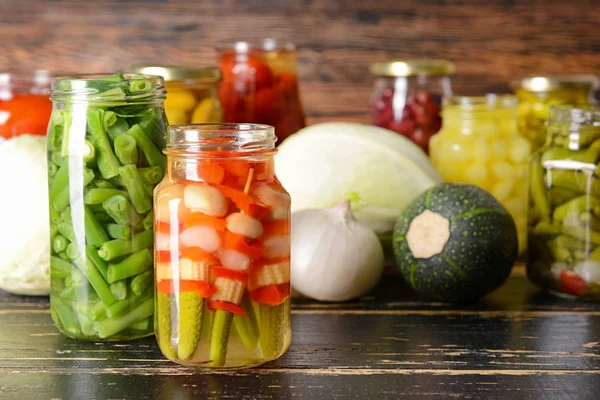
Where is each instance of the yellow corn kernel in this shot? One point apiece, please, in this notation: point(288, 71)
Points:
point(271, 274)
point(229, 290)
point(193, 270)
point(163, 271)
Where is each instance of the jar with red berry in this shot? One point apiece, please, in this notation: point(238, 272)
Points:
point(407, 96)
point(260, 85)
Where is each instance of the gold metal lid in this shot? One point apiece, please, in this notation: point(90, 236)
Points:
point(552, 82)
point(431, 67)
point(173, 73)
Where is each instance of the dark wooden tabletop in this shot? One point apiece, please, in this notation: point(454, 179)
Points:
point(517, 343)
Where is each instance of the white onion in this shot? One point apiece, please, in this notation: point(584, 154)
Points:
point(204, 237)
point(334, 258)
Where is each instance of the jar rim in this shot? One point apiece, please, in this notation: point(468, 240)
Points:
point(236, 138)
point(489, 100)
point(206, 74)
point(413, 67)
point(540, 84)
point(266, 44)
point(108, 87)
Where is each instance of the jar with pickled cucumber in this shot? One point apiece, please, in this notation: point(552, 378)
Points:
point(564, 228)
point(479, 144)
point(538, 93)
point(192, 93)
point(222, 253)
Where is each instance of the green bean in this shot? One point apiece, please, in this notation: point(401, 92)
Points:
point(89, 152)
point(153, 125)
point(100, 195)
point(59, 264)
point(117, 129)
point(148, 221)
point(126, 149)
point(94, 232)
point(59, 160)
point(59, 243)
point(65, 316)
point(65, 215)
point(114, 325)
point(104, 184)
point(140, 85)
point(151, 175)
point(143, 325)
point(63, 199)
point(97, 261)
point(118, 231)
point(103, 217)
point(153, 155)
point(132, 301)
point(61, 180)
point(134, 264)
point(120, 247)
point(135, 188)
point(52, 169)
point(66, 229)
point(73, 251)
point(63, 256)
point(119, 209)
point(119, 289)
point(106, 159)
point(98, 312)
point(141, 282)
point(96, 280)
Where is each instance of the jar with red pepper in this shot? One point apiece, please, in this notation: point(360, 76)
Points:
point(407, 96)
point(25, 104)
point(260, 85)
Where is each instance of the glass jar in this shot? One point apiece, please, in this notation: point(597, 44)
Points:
point(105, 139)
point(24, 103)
point(222, 261)
point(260, 85)
point(192, 93)
point(537, 94)
point(407, 97)
point(564, 228)
point(479, 144)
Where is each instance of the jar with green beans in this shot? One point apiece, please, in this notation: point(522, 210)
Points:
point(564, 217)
point(105, 141)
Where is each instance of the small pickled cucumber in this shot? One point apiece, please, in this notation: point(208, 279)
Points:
point(271, 325)
point(247, 326)
point(163, 325)
point(219, 337)
point(191, 308)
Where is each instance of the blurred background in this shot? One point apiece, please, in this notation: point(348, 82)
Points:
point(492, 42)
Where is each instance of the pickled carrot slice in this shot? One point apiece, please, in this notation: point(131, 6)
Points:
point(197, 254)
point(225, 306)
point(271, 295)
point(276, 227)
point(204, 289)
point(242, 200)
point(211, 173)
point(164, 227)
point(162, 256)
point(198, 218)
point(238, 243)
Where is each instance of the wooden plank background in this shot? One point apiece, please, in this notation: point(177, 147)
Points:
point(491, 41)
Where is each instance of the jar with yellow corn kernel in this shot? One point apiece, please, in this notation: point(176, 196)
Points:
point(537, 94)
point(479, 144)
point(192, 93)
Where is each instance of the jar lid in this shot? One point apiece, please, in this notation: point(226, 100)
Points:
point(552, 82)
point(431, 67)
point(174, 73)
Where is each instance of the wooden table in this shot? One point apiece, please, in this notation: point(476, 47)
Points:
point(518, 343)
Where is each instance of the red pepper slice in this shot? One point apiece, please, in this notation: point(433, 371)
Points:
point(163, 227)
point(204, 289)
point(242, 200)
point(271, 295)
point(223, 305)
point(276, 227)
point(222, 272)
point(162, 256)
point(572, 283)
point(258, 211)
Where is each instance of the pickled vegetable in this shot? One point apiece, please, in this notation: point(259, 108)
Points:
point(221, 284)
point(99, 197)
point(564, 226)
point(538, 94)
point(478, 144)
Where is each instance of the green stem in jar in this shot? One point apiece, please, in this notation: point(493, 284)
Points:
point(541, 208)
point(247, 325)
point(59, 243)
point(219, 337)
point(151, 175)
point(575, 207)
point(96, 280)
point(63, 199)
point(61, 180)
point(66, 229)
point(89, 153)
point(97, 261)
point(52, 169)
point(152, 123)
point(135, 187)
point(115, 126)
point(141, 282)
point(65, 315)
point(126, 149)
point(119, 209)
point(94, 231)
point(108, 164)
point(148, 221)
point(121, 306)
point(120, 247)
point(582, 233)
point(132, 265)
point(100, 195)
point(119, 289)
point(118, 231)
